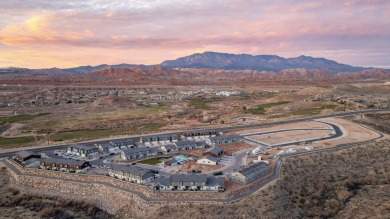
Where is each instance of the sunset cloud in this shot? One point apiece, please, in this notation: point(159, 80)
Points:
point(43, 33)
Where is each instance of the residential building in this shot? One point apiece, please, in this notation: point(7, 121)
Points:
point(249, 173)
point(22, 156)
point(106, 148)
point(193, 133)
point(82, 150)
point(168, 148)
point(170, 162)
point(223, 139)
point(131, 173)
point(122, 143)
point(65, 165)
point(190, 182)
point(136, 153)
point(163, 138)
point(185, 145)
point(214, 151)
point(209, 160)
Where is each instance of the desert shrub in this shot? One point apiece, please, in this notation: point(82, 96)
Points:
point(13, 190)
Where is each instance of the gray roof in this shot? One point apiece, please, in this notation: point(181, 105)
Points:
point(199, 131)
point(106, 145)
point(215, 150)
point(169, 146)
point(82, 147)
point(172, 160)
point(25, 154)
point(215, 181)
point(188, 178)
point(252, 168)
point(136, 150)
point(210, 158)
point(200, 143)
point(133, 170)
point(184, 143)
point(30, 161)
point(222, 137)
point(163, 181)
point(64, 161)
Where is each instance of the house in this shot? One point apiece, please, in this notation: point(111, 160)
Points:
point(168, 148)
point(170, 162)
point(23, 156)
point(65, 165)
point(106, 148)
point(223, 139)
point(214, 151)
point(131, 173)
point(135, 153)
point(209, 160)
point(191, 182)
point(164, 138)
point(122, 143)
point(249, 173)
point(82, 150)
point(31, 163)
point(185, 145)
point(201, 144)
point(193, 133)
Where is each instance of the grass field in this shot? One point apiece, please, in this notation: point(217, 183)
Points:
point(200, 104)
point(20, 118)
point(261, 108)
point(90, 134)
point(151, 161)
point(18, 140)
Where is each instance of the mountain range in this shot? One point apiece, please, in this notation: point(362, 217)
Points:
point(207, 67)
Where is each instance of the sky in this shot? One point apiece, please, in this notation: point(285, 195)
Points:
point(59, 33)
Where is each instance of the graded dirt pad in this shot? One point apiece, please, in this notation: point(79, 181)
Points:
point(298, 125)
point(192, 165)
point(229, 149)
point(352, 132)
point(290, 136)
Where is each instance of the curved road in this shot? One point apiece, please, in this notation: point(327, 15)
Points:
point(231, 128)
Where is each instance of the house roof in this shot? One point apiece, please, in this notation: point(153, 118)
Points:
point(30, 161)
point(163, 181)
point(64, 161)
point(169, 146)
point(25, 154)
point(252, 168)
point(215, 150)
point(222, 137)
point(211, 158)
point(188, 178)
point(199, 131)
point(172, 160)
point(82, 147)
point(136, 150)
point(215, 181)
point(106, 145)
point(200, 143)
point(184, 143)
point(133, 170)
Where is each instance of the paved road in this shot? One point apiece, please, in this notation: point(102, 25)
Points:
point(231, 128)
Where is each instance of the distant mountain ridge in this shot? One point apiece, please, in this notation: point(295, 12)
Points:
point(226, 61)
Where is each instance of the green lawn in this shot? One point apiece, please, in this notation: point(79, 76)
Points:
point(101, 133)
point(151, 161)
point(313, 110)
point(20, 118)
point(261, 108)
point(200, 104)
point(18, 140)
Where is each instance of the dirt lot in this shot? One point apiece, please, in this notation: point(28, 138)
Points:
point(302, 125)
point(192, 165)
point(230, 149)
point(291, 136)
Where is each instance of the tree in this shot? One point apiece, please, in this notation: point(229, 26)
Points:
point(222, 122)
point(244, 108)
